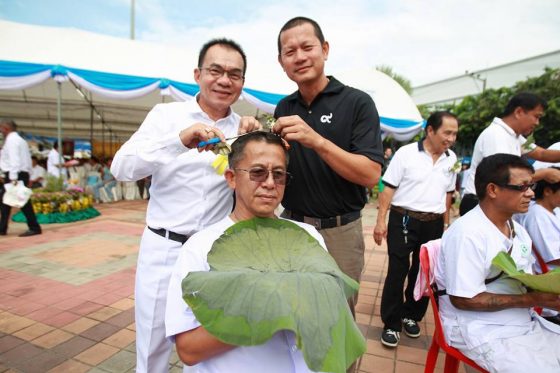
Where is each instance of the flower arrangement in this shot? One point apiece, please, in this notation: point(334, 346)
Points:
point(63, 201)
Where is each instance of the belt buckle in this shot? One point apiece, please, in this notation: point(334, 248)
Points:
point(312, 221)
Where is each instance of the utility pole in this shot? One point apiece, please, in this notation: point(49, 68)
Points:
point(132, 15)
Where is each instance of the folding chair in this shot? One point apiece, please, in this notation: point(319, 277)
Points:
point(452, 355)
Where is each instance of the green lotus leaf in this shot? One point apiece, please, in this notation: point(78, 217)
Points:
point(548, 282)
point(268, 275)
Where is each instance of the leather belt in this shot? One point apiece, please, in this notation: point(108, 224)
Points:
point(422, 216)
point(182, 238)
point(324, 223)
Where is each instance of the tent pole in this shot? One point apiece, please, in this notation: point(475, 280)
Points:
point(59, 124)
point(91, 125)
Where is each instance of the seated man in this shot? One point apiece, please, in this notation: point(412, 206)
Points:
point(257, 173)
point(544, 228)
point(485, 314)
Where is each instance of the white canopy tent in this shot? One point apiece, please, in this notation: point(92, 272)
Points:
point(106, 85)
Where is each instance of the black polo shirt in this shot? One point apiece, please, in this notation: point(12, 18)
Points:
point(347, 117)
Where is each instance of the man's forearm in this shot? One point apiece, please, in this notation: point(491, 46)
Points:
point(497, 302)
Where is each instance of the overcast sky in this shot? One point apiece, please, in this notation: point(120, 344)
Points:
point(424, 40)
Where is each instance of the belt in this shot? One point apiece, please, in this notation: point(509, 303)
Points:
point(324, 223)
point(422, 216)
point(170, 235)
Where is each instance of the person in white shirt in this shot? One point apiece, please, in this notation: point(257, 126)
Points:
point(544, 228)
point(15, 163)
point(257, 174)
point(506, 135)
point(38, 173)
point(419, 184)
point(55, 164)
point(186, 194)
point(485, 314)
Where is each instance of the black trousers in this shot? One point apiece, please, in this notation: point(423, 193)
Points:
point(27, 209)
point(469, 202)
point(393, 308)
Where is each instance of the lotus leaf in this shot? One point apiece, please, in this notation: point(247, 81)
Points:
point(268, 275)
point(548, 282)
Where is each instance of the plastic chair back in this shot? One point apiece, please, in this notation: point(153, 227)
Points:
point(452, 355)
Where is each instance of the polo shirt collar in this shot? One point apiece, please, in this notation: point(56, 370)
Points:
point(196, 109)
point(499, 122)
point(334, 86)
point(421, 146)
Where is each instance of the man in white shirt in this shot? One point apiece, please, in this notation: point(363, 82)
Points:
point(419, 184)
point(38, 172)
point(257, 174)
point(506, 135)
point(186, 194)
point(55, 164)
point(15, 163)
point(485, 314)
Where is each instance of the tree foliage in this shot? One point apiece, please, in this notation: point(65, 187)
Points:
point(403, 82)
point(476, 112)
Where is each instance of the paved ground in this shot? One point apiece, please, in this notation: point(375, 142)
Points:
point(67, 302)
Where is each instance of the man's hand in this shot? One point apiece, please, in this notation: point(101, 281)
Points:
point(248, 124)
point(293, 128)
point(380, 232)
point(547, 300)
point(191, 136)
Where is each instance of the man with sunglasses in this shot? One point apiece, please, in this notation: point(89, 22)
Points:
point(257, 173)
point(186, 194)
point(485, 314)
point(506, 135)
point(336, 150)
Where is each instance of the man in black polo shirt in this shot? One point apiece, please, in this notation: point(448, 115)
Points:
point(335, 143)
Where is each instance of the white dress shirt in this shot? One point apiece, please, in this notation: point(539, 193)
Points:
point(421, 184)
point(186, 193)
point(38, 172)
point(53, 160)
point(15, 156)
point(278, 355)
point(498, 137)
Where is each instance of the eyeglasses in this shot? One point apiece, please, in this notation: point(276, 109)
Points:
point(261, 174)
point(520, 188)
point(217, 71)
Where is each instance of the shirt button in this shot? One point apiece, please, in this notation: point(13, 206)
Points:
point(294, 348)
point(310, 111)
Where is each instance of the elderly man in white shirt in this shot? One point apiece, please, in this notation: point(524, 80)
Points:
point(506, 135)
point(419, 184)
point(15, 163)
point(186, 194)
point(252, 156)
point(485, 314)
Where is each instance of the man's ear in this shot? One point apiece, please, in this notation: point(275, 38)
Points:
point(230, 178)
point(196, 74)
point(491, 190)
point(325, 48)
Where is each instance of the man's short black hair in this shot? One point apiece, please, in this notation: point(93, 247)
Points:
point(525, 100)
point(228, 43)
point(298, 21)
point(495, 169)
point(10, 122)
point(436, 119)
point(238, 147)
point(543, 184)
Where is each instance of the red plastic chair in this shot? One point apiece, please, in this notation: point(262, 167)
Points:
point(542, 263)
point(452, 355)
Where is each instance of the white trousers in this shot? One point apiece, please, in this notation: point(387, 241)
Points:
point(536, 351)
point(156, 259)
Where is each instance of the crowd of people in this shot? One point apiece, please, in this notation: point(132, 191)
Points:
point(323, 154)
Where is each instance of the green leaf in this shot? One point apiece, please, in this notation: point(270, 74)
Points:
point(268, 275)
point(548, 282)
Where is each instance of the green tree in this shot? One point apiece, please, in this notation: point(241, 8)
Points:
point(404, 82)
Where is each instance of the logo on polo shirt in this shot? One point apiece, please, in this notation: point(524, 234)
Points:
point(326, 118)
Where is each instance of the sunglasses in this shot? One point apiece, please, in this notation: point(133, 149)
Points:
point(261, 174)
point(520, 188)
